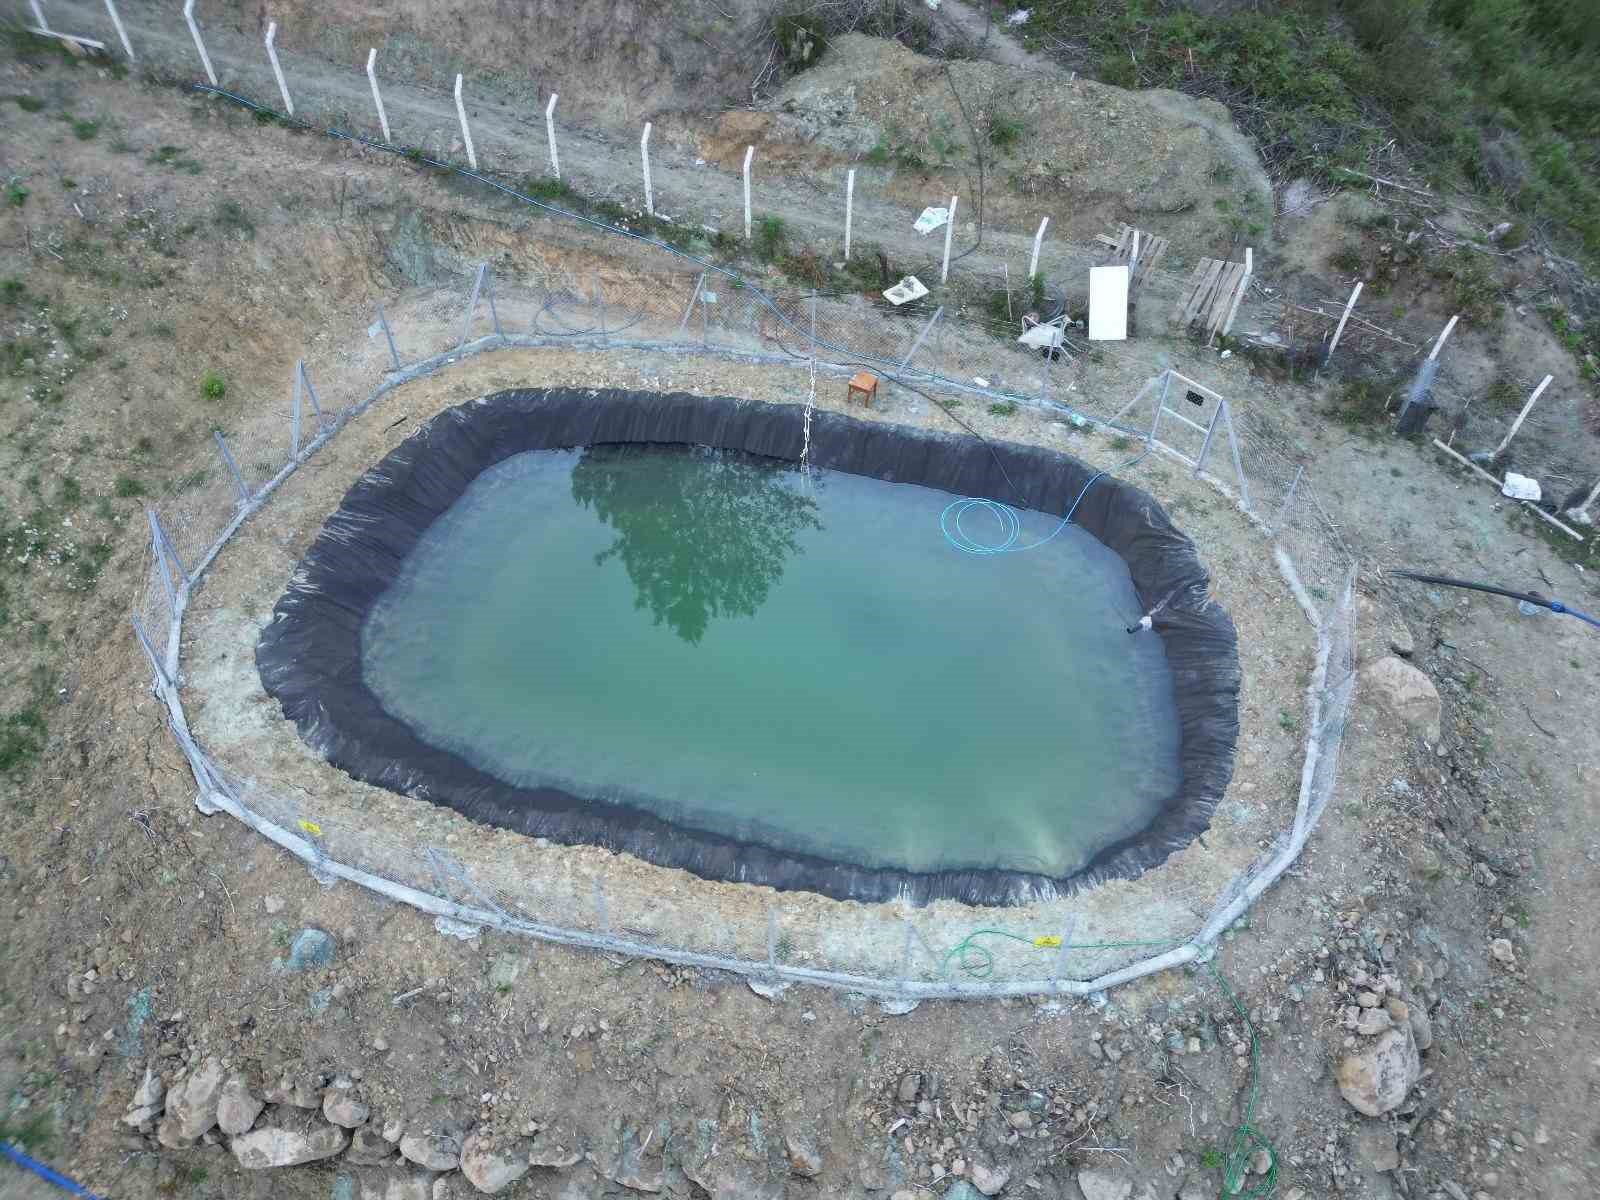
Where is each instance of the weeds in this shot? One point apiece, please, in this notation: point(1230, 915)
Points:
point(127, 487)
point(230, 217)
point(12, 292)
point(84, 131)
point(771, 238)
point(29, 103)
point(16, 194)
point(213, 386)
point(1004, 130)
point(1003, 408)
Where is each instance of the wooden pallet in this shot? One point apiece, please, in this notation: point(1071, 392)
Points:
point(1151, 248)
point(1211, 295)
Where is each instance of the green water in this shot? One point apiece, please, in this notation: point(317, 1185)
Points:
point(802, 661)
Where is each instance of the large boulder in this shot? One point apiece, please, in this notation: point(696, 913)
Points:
point(435, 1151)
point(492, 1168)
point(272, 1147)
point(344, 1107)
point(237, 1107)
point(1402, 690)
point(192, 1104)
point(369, 1148)
point(1375, 1077)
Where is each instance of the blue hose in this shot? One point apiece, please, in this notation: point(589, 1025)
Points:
point(43, 1172)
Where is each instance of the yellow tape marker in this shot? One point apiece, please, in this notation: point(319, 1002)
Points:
point(1047, 941)
point(315, 830)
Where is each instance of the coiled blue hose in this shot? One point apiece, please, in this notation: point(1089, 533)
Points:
point(27, 1163)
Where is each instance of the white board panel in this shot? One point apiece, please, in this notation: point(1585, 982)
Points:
point(1108, 303)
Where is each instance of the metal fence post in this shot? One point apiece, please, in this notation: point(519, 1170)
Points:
point(122, 33)
point(466, 133)
point(1238, 463)
point(233, 469)
point(922, 337)
point(644, 158)
point(1205, 443)
point(150, 652)
point(377, 96)
point(1288, 499)
point(599, 305)
point(162, 564)
point(394, 354)
point(472, 305)
point(164, 544)
point(550, 134)
point(194, 31)
point(277, 70)
point(689, 310)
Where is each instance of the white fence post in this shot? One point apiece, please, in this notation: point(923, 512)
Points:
point(749, 153)
point(550, 133)
point(849, 208)
point(277, 70)
point(949, 232)
point(377, 96)
point(1343, 317)
point(1443, 335)
point(644, 157)
point(1038, 243)
point(116, 20)
point(194, 30)
point(1522, 416)
point(466, 134)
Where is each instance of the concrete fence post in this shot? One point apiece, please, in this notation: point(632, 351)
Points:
point(949, 232)
point(277, 69)
point(550, 134)
point(466, 133)
point(1038, 244)
point(472, 305)
point(377, 96)
point(194, 31)
point(122, 33)
point(749, 153)
point(1522, 416)
point(849, 208)
point(644, 158)
point(1444, 335)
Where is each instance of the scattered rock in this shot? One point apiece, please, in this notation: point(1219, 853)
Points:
point(503, 971)
point(1373, 1021)
point(435, 1151)
point(237, 1106)
point(193, 1103)
point(804, 1158)
point(1098, 1184)
point(910, 1084)
point(269, 1147)
point(1421, 1027)
point(1197, 1189)
point(1401, 689)
point(151, 1091)
point(136, 1117)
point(396, 1183)
point(368, 1148)
point(1502, 952)
point(312, 949)
point(169, 1133)
point(489, 1168)
point(273, 905)
point(556, 1157)
point(345, 1108)
point(990, 1181)
point(1376, 1078)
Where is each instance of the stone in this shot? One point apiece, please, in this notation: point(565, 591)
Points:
point(1402, 690)
point(1260, 1162)
point(169, 1133)
point(237, 1106)
point(1421, 1027)
point(273, 905)
point(804, 1158)
point(345, 1108)
point(304, 1091)
point(1096, 1183)
point(136, 1117)
point(1376, 1077)
point(1373, 1021)
point(151, 1091)
point(394, 1183)
point(910, 1084)
point(435, 1151)
point(990, 1181)
point(311, 950)
point(193, 1103)
point(1378, 633)
point(368, 1148)
point(1502, 952)
point(490, 1168)
point(1197, 1189)
point(554, 1156)
point(271, 1147)
point(393, 1128)
point(1020, 1120)
point(503, 971)
point(960, 1190)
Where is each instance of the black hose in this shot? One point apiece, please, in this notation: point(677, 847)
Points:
point(1554, 606)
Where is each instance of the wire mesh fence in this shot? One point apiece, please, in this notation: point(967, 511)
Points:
point(886, 950)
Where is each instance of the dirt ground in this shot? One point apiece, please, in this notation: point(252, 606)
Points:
point(169, 246)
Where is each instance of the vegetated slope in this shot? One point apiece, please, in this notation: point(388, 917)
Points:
point(1496, 95)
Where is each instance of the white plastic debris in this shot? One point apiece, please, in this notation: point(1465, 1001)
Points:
point(931, 219)
point(1020, 17)
point(1520, 487)
point(908, 289)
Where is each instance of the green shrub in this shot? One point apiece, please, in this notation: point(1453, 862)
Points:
point(213, 386)
point(16, 194)
point(128, 488)
point(1004, 130)
point(85, 131)
point(231, 217)
point(771, 237)
point(29, 103)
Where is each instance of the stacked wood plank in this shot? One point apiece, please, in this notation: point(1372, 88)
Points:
point(1210, 296)
point(1151, 248)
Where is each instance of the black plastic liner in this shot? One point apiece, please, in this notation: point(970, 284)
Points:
point(309, 655)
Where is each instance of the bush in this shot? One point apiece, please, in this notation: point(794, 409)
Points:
point(213, 386)
point(128, 488)
point(771, 236)
point(1004, 130)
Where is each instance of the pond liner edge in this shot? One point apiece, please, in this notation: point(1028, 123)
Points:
point(309, 653)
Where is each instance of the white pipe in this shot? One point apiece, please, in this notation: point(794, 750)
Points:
point(1345, 316)
point(949, 232)
point(550, 134)
point(466, 133)
point(116, 20)
point(644, 158)
point(194, 30)
point(749, 153)
point(277, 71)
point(38, 15)
point(1038, 243)
point(849, 208)
point(1522, 416)
point(377, 96)
point(1439, 345)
